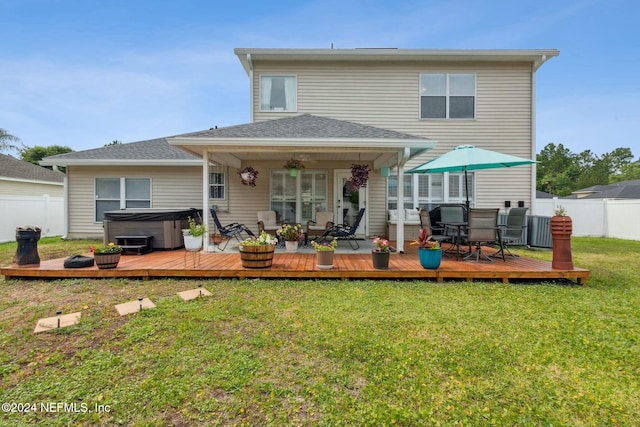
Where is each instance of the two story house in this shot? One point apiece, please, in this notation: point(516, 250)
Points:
point(388, 109)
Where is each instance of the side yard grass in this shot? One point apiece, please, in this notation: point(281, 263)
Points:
point(277, 352)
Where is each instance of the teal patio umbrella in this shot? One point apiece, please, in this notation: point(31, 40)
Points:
point(468, 158)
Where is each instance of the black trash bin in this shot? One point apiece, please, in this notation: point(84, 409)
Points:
point(27, 251)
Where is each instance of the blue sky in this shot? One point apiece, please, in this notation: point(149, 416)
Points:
point(85, 73)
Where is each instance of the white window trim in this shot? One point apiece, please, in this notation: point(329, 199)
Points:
point(295, 76)
point(224, 186)
point(475, 96)
point(123, 192)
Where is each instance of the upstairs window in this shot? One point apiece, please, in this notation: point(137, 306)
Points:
point(278, 93)
point(447, 96)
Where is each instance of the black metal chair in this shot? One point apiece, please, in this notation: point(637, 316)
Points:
point(230, 230)
point(483, 228)
point(436, 233)
point(342, 231)
point(512, 231)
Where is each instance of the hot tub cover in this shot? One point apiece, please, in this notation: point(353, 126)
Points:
point(152, 214)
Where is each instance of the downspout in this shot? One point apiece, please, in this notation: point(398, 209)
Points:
point(250, 63)
point(534, 169)
point(403, 157)
point(65, 192)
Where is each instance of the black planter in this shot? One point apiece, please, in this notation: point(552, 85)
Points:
point(27, 251)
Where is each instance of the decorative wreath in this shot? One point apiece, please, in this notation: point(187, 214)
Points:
point(359, 176)
point(248, 176)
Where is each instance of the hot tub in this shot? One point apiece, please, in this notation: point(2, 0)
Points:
point(165, 225)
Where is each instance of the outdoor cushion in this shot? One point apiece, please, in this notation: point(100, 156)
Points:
point(411, 215)
point(78, 261)
point(393, 215)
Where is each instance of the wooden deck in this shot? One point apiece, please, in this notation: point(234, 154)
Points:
point(299, 265)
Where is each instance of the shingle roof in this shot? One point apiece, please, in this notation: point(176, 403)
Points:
point(619, 190)
point(153, 149)
point(303, 126)
point(19, 169)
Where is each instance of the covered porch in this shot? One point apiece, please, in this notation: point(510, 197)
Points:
point(327, 148)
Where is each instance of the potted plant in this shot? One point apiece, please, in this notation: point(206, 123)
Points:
point(429, 251)
point(27, 251)
point(106, 256)
point(291, 234)
point(257, 251)
point(561, 229)
point(380, 253)
point(324, 253)
point(193, 235)
point(294, 166)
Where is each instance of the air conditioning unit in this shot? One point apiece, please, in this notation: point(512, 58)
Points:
point(540, 231)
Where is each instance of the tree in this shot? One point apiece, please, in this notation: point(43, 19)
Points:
point(37, 153)
point(114, 142)
point(6, 140)
point(557, 170)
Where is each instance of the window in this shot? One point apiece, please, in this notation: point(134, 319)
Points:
point(447, 96)
point(429, 190)
point(278, 93)
point(216, 185)
point(121, 193)
point(296, 199)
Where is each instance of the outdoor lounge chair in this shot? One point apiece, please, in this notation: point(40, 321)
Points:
point(267, 222)
point(512, 230)
point(323, 222)
point(482, 228)
point(230, 230)
point(342, 231)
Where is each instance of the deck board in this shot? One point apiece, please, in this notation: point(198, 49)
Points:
point(301, 265)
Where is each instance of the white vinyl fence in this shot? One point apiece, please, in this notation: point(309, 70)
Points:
point(40, 211)
point(597, 217)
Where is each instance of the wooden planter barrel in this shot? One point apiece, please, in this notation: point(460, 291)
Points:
point(259, 256)
point(108, 260)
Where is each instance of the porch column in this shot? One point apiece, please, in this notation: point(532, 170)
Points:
point(205, 197)
point(402, 159)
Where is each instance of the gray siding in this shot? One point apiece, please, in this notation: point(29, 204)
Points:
point(387, 95)
point(21, 188)
point(170, 187)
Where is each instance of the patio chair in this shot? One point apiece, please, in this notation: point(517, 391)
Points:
point(267, 222)
point(482, 228)
point(453, 222)
point(323, 222)
point(230, 230)
point(347, 232)
point(436, 233)
point(512, 230)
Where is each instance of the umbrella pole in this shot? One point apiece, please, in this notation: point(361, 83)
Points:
point(466, 188)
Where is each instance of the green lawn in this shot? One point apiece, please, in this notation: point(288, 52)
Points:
point(328, 353)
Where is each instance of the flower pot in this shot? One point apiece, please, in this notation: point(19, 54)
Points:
point(192, 243)
point(380, 260)
point(430, 258)
point(293, 172)
point(108, 260)
point(324, 260)
point(561, 229)
point(291, 245)
point(27, 250)
point(257, 256)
